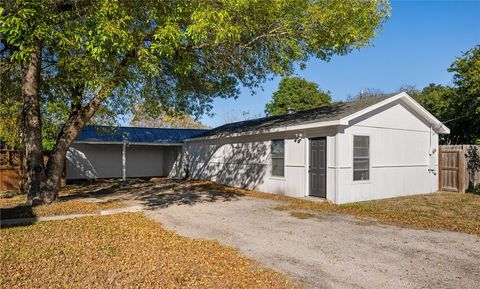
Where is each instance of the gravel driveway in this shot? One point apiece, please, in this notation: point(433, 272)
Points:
point(332, 250)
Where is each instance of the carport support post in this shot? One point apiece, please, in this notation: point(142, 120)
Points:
point(124, 160)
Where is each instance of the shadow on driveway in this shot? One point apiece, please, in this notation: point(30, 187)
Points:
point(153, 194)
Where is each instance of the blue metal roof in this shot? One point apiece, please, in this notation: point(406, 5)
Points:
point(136, 134)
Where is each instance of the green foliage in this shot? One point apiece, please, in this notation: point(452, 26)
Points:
point(297, 94)
point(473, 167)
point(10, 105)
point(458, 106)
point(176, 56)
point(436, 99)
point(142, 116)
point(466, 99)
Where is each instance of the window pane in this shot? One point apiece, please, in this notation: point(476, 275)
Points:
point(360, 164)
point(278, 167)
point(278, 158)
point(360, 175)
point(360, 141)
point(360, 152)
point(361, 158)
point(278, 147)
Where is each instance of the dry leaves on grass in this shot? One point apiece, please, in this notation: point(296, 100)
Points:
point(123, 251)
point(445, 210)
point(301, 215)
point(448, 211)
point(15, 207)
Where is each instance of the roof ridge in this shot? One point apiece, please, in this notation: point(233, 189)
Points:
point(335, 103)
point(327, 112)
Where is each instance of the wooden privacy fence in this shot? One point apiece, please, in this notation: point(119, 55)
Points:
point(9, 170)
point(454, 174)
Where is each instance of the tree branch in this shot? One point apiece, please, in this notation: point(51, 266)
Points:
point(79, 117)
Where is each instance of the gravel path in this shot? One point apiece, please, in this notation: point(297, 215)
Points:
point(332, 250)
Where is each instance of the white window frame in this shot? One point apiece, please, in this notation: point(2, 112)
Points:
point(369, 157)
point(272, 158)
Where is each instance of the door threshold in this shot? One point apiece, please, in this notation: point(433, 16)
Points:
point(315, 199)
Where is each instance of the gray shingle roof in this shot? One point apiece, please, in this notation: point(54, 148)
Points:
point(331, 112)
point(136, 134)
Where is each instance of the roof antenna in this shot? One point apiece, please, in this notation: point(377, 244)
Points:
point(362, 94)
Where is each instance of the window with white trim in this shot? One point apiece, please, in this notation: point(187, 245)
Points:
point(278, 158)
point(361, 158)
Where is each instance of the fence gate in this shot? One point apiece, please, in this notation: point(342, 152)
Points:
point(451, 170)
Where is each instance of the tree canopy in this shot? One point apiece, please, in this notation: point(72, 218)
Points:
point(297, 94)
point(179, 55)
point(143, 117)
point(458, 106)
point(79, 58)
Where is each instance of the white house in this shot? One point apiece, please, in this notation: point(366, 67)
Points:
point(373, 148)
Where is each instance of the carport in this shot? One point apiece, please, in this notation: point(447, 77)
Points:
point(125, 152)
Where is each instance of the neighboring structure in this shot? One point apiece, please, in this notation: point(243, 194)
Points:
point(116, 152)
point(373, 148)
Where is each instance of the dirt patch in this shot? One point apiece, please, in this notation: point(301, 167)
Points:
point(122, 251)
point(302, 215)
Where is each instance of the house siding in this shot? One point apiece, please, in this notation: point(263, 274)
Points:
point(245, 162)
point(91, 161)
point(400, 160)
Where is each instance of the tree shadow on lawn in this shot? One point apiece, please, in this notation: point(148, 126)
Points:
point(19, 212)
point(153, 194)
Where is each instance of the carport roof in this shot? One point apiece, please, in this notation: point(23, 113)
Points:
point(141, 135)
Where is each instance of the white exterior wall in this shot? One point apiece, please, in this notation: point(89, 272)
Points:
point(90, 161)
point(245, 162)
point(400, 160)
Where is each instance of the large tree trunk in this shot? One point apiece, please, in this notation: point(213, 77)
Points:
point(49, 179)
point(32, 127)
point(56, 162)
point(79, 117)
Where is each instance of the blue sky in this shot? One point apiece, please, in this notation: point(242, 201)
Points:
point(416, 46)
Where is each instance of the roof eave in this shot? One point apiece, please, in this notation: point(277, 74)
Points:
point(129, 143)
point(437, 125)
point(291, 128)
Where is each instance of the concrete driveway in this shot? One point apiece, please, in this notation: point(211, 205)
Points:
point(331, 250)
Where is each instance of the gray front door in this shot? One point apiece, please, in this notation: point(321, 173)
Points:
point(318, 167)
